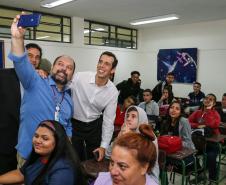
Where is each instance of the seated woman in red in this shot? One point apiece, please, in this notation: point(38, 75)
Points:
point(208, 117)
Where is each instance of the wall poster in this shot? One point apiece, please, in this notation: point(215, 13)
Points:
point(182, 62)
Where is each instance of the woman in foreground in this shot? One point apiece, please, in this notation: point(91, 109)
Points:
point(51, 162)
point(133, 156)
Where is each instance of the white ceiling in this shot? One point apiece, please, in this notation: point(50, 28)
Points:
point(121, 12)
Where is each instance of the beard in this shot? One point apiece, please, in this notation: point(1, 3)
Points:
point(60, 80)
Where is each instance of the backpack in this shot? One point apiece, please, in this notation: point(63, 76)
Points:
point(170, 144)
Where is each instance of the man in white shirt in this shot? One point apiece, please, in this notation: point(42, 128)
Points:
point(95, 100)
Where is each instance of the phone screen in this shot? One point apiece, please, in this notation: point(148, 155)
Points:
point(29, 20)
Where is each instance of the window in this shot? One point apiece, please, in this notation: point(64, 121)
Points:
point(103, 34)
point(51, 28)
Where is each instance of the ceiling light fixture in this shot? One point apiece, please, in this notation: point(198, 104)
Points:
point(53, 3)
point(155, 19)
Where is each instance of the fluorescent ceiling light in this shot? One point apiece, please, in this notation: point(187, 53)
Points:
point(53, 3)
point(155, 19)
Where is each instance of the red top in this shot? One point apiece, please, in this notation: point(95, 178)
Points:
point(210, 118)
point(120, 116)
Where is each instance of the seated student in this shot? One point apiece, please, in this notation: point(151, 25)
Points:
point(164, 102)
point(51, 162)
point(135, 116)
point(121, 110)
point(208, 117)
point(133, 156)
point(175, 124)
point(222, 110)
point(195, 98)
point(150, 106)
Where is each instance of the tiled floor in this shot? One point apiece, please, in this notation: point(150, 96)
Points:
point(223, 172)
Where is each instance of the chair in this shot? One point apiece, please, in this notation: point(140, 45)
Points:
point(200, 144)
point(182, 162)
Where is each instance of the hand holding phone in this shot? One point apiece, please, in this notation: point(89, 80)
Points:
point(29, 20)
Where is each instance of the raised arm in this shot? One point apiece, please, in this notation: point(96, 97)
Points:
point(25, 71)
point(17, 41)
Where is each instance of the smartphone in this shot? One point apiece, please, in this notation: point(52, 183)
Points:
point(29, 20)
point(96, 155)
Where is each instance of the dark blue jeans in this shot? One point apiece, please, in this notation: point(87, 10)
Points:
point(212, 150)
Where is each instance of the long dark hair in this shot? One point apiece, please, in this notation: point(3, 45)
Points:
point(165, 124)
point(63, 149)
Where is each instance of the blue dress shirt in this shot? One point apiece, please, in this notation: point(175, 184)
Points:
point(38, 103)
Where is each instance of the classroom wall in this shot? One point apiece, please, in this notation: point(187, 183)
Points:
point(208, 37)
point(86, 56)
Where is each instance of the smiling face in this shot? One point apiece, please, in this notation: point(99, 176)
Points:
point(43, 142)
point(63, 70)
point(125, 168)
point(175, 110)
point(104, 67)
point(132, 120)
point(209, 101)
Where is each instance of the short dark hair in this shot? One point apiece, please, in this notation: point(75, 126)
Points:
point(110, 54)
point(224, 94)
point(148, 90)
point(36, 46)
point(135, 72)
point(197, 83)
point(170, 74)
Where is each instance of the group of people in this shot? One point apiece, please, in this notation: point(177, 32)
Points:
point(182, 118)
point(66, 117)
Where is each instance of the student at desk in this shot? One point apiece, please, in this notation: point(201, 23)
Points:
point(207, 116)
point(175, 124)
